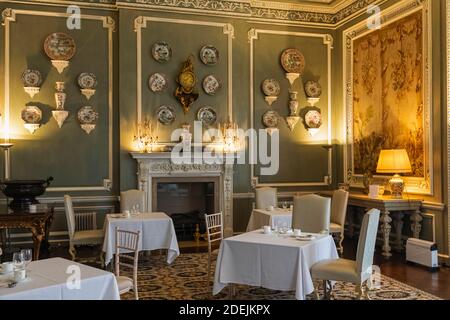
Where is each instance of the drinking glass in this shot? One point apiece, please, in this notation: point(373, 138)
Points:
point(18, 260)
point(27, 256)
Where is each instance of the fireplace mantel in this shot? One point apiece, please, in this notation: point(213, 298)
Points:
point(160, 164)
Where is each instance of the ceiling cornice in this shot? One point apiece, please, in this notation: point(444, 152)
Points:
point(322, 15)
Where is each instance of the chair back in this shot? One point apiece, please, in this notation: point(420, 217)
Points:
point(214, 229)
point(70, 215)
point(339, 207)
point(126, 242)
point(131, 198)
point(367, 239)
point(311, 214)
point(265, 197)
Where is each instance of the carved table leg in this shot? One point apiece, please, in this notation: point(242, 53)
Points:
point(45, 246)
point(398, 223)
point(38, 233)
point(416, 227)
point(386, 228)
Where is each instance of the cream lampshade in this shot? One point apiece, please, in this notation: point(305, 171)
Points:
point(394, 161)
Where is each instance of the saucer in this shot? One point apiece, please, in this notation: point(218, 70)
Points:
point(305, 237)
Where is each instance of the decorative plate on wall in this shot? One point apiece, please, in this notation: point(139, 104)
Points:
point(87, 115)
point(31, 114)
point(271, 88)
point(207, 115)
point(270, 119)
point(293, 61)
point(166, 114)
point(313, 119)
point(158, 82)
point(211, 85)
point(59, 46)
point(313, 89)
point(209, 55)
point(31, 78)
point(161, 51)
point(87, 80)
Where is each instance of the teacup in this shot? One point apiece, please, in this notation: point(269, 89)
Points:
point(267, 229)
point(127, 213)
point(297, 232)
point(20, 275)
point(7, 267)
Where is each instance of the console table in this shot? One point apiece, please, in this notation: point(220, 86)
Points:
point(38, 223)
point(386, 205)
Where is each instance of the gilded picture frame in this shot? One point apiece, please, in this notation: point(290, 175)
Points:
point(367, 117)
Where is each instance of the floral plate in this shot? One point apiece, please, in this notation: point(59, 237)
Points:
point(271, 88)
point(31, 114)
point(158, 82)
point(207, 115)
point(31, 78)
point(313, 119)
point(161, 51)
point(293, 61)
point(87, 115)
point(313, 89)
point(270, 119)
point(59, 46)
point(211, 85)
point(87, 80)
point(209, 55)
point(166, 115)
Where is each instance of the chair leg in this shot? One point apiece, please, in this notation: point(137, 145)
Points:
point(340, 247)
point(102, 259)
point(316, 290)
point(325, 290)
point(360, 290)
point(136, 293)
point(209, 271)
point(72, 252)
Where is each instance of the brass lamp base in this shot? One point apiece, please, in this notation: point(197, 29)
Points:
point(397, 185)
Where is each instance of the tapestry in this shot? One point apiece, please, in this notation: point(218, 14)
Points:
point(388, 94)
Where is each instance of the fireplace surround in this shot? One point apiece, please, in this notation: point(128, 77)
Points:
point(159, 167)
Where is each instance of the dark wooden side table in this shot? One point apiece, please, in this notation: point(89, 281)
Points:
point(38, 223)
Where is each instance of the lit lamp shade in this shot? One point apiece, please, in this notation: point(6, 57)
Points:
point(394, 161)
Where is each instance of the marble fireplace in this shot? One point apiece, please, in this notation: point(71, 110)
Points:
point(158, 168)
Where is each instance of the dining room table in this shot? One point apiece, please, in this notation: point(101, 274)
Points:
point(60, 279)
point(276, 218)
point(156, 232)
point(273, 261)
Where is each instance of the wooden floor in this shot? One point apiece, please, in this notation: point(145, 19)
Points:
point(437, 283)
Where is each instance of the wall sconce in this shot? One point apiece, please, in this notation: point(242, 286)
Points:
point(145, 138)
point(228, 136)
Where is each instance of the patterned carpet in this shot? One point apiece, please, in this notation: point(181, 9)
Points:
point(185, 279)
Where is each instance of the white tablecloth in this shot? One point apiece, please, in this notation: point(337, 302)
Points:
point(157, 232)
point(276, 218)
point(47, 280)
point(271, 261)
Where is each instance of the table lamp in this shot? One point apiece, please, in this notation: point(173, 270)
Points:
point(394, 161)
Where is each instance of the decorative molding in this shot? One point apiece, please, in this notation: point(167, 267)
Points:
point(414, 185)
point(313, 14)
point(141, 23)
point(8, 16)
point(448, 122)
point(253, 34)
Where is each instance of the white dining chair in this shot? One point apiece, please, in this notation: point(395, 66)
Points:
point(358, 272)
point(339, 202)
point(265, 197)
point(311, 214)
point(82, 228)
point(214, 233)
point(132, 199)
point(127, 242)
